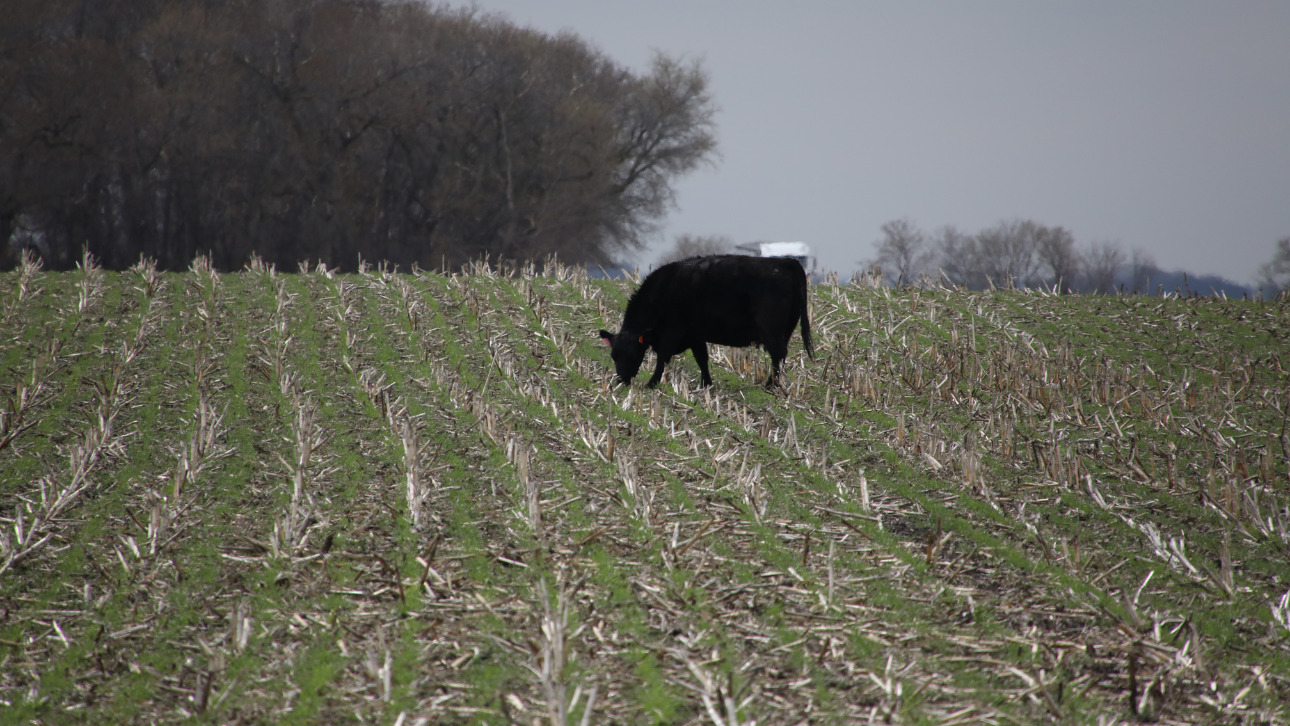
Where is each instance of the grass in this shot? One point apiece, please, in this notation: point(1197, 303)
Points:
point(416, 498)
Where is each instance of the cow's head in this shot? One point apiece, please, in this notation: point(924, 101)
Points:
point(628, 350)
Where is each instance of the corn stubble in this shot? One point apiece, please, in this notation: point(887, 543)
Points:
point(417, 497)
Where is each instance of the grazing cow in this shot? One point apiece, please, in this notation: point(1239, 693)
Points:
point(724, 299)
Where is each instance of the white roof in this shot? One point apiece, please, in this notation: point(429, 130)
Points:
point(777, 249)
point(785, 249)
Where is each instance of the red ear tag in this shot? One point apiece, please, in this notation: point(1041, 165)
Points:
point(641, 340)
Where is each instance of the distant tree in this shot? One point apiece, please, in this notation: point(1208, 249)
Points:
point(1274, 275)
point(903, 252)
point(956, 256)
point(1005, 253)
point(1102, 262)
point(688, 245)
point(1142, 267)
point(1056, 252)
point(1025, 253)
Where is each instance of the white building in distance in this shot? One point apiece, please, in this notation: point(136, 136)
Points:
point(799, 251)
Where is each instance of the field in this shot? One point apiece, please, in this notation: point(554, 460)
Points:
point(416, 498)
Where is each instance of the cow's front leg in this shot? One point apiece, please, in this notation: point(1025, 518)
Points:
point(658, 369)
point(701, 357)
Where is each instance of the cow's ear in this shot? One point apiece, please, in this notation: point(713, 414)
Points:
point(607, 336)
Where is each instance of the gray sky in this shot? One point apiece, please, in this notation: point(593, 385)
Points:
point(1162, 125)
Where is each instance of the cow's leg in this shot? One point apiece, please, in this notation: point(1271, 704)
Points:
point(701, 357)
point(773, 378)
point(658, 369)
point(778, 351)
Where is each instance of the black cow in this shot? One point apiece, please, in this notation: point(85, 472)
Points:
point(723, 299)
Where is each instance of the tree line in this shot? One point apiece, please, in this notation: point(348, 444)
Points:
point(328, 130)
point(1023, 253)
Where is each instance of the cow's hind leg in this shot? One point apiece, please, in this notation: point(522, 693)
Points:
point(773, 379)
point(701, 357)
point(778, 352)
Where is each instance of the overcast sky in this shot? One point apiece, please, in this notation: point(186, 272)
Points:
point(1160, 125)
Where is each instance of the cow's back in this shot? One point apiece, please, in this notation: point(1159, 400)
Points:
point(723, 299)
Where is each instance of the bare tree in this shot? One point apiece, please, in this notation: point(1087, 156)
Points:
point(903, 252)
point(956, 254)
point(1005, 253)
point(1102, 262)
point(666, 127)
point(1141, 267)
point(1055, 250)
point(1274, 275)
point(688, 245)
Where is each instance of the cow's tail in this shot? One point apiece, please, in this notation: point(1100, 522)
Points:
point(803, 302)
